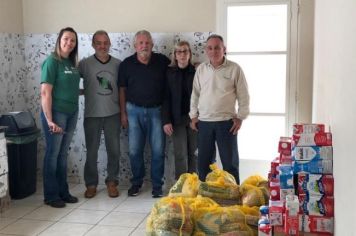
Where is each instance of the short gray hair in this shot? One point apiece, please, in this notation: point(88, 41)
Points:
point(215, 36)
point(143, 32)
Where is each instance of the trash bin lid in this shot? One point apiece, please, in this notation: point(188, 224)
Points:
point(18, 123)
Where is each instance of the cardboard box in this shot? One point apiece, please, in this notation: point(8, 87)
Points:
point(313, 167)
point(291, 223)
point(285, 192)
point(286, 176)
point(285, 145)
point(316, 224)
point(300, 128)
point(276, 210)
point(312, 153)
point(314, 184)
point(274, 191)
point(319, 139)
point(285, 159)
point(316, 205)
point(274, 166)
point(278, 230)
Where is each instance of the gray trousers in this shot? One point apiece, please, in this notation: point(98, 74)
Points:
point(184, 147)
point(93, 128)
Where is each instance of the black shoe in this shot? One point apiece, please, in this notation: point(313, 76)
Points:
point(133, 191)
point(56, 203)
point(70, 199)
point(157, 192)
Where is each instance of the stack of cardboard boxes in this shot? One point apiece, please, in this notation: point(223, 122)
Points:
point(302, 173)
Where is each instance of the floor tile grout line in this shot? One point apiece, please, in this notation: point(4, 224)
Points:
point(140, 223)
point(114, 209)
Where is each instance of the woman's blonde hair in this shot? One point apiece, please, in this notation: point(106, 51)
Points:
point(173, 56)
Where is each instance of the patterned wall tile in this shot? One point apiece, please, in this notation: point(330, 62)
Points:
point(20, 89)
point(12, 73)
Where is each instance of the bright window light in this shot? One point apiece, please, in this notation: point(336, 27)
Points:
point(257, 39)
point(267, 84)
point(258, 137)
point(257, 28)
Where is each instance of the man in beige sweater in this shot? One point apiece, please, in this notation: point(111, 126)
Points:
point(217, 85)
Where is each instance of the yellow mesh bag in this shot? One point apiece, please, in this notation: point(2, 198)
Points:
point(218, 220)
point(170, 216)
point(220, 177)
point(174, 215)
point(219, 184)
point(256, 180)
point(252, 214)
point(200, 202)
point(253, 196)
point(212, 190)
point(186, 186)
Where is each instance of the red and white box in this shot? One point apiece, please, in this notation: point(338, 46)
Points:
point(278, 230)
point(274, 166)
point(314, 184)
point(319, 139)
point(276, 211)
point(300, 128)
point(316, 205)
point(316, 224)
point(286, 192)
point(291, 224)
point(285, 145)
point(285, 159)
point(274, 190)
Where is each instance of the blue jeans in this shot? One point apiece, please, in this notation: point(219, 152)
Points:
point(208, 134)
point(146, 122)
point(55, 186)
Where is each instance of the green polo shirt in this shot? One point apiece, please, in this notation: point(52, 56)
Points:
point(64, 77)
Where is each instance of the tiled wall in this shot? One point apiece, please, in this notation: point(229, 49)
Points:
point(19, 88)
point(12, 73)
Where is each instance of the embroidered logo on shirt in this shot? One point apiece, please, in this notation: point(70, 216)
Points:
point(67, 70)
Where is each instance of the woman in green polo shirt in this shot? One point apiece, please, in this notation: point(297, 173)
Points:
point(59, 101)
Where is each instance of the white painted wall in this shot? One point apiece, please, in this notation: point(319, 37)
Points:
point(334, 98)
point(305, 61)
point(11, 20)
point(86, 16)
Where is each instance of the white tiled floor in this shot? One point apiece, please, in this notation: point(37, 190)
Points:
point(100, 215)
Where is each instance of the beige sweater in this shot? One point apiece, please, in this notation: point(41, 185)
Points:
point(216, 90)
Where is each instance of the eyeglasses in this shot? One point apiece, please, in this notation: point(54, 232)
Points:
point(182, 51)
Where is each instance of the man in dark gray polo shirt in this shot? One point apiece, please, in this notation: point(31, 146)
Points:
point(142, 79)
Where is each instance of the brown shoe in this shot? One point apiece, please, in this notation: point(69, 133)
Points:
point(112, 189)
point(90, 192)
